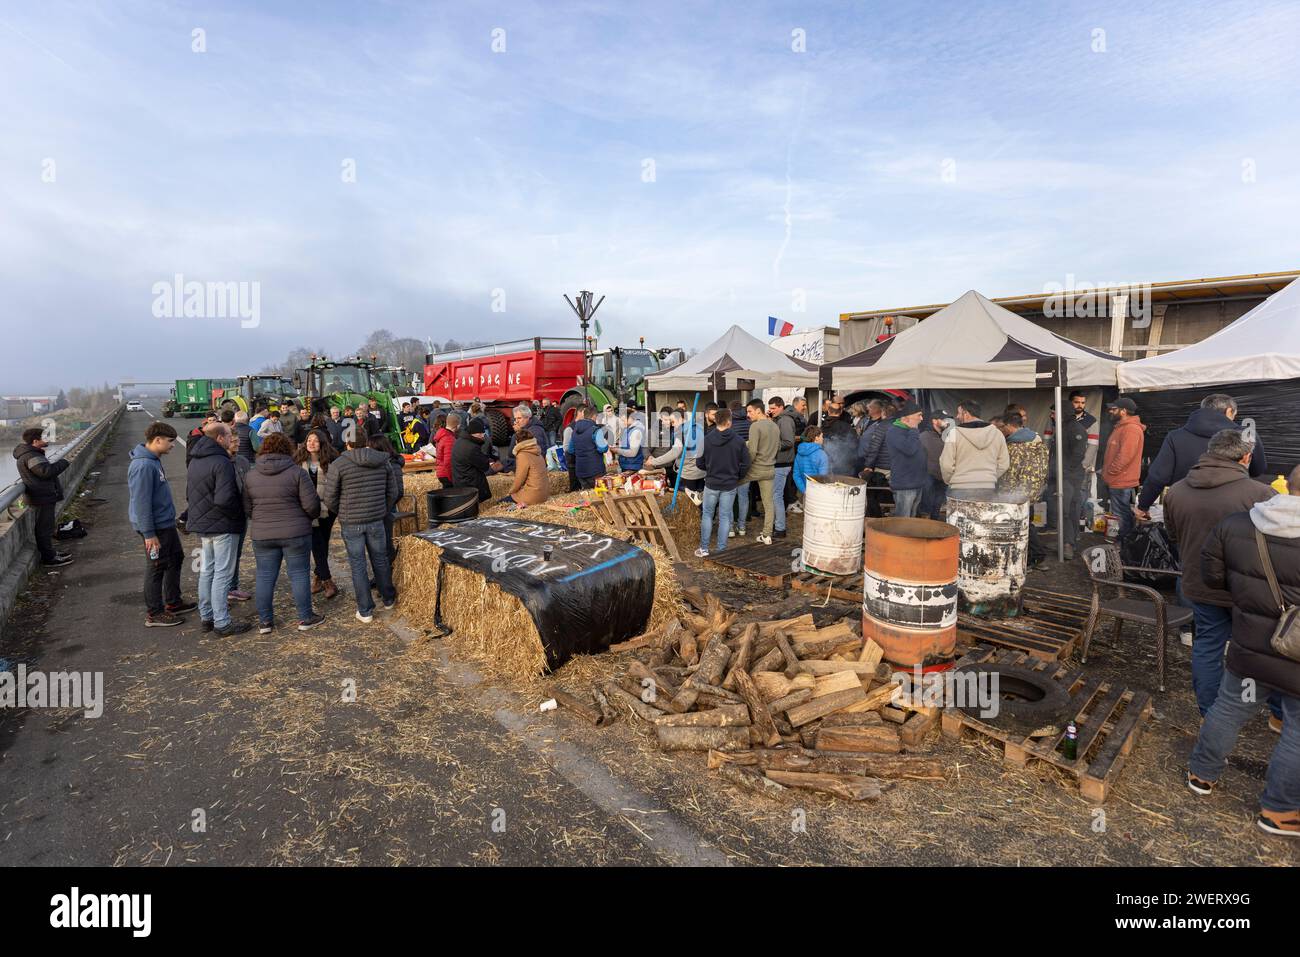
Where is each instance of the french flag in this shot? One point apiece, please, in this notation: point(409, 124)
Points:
point(775, 327)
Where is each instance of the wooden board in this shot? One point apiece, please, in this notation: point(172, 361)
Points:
point(639, 514)
point(1108, 720)
point(769, 564)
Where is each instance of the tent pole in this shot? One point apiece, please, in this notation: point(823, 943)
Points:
point(1060, 483)
point(688, 429)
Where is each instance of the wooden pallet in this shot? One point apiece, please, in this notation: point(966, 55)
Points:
point(639, 514)
point(841, 587)
point(770, 564)
point(1108, 720)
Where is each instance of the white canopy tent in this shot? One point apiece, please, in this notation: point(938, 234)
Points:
point(737, 355)
point(973, 343)
point(1261, 346)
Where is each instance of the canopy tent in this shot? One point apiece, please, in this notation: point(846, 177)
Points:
point(1261, 346)
point(737, 355)
point(973, 343)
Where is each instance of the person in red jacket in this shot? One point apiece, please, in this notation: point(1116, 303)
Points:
point(443, 442)
point(1122, 470)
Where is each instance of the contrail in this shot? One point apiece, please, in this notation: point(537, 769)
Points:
point(789, 183)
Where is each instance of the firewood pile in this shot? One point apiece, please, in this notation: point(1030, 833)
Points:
point(777, 705)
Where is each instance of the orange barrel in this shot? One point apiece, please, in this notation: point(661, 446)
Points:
point(834, 508)
point(909, 589)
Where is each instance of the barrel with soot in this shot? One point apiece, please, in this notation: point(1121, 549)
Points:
point(994, 528)
point(451, 505)
point(834, 510)
point(909, 590)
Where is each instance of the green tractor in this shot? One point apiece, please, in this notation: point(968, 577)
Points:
point(616, 377)
point(338, 383)
point(251, 391)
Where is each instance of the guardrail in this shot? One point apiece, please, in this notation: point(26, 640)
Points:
point(11, 492)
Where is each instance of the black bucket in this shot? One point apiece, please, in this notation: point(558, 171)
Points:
point(447, 506)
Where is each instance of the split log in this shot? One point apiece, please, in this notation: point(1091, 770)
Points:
point(802, 622)
point(740, 662)
point(696, 598)
point(871, 739)
point(793, 699)
point(852, 719)
point(584, 711)
point(872, 653)
point(602, 702)
point(712, 664)
point(635, 704)
point(916, 728)
point(712, 697)
point(877, 697)
point(792, 663)
point(913, 767)
point(849, 786)
point(751, 780)
point(688, 647)
point(818, 666)
point(890, 713)
point(771, 684)
point(819, 707)
point(761, 717)
point(724, 716)
point(702, 739)
point(767, 660)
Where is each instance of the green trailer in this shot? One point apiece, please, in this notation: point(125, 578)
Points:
point(193, 397)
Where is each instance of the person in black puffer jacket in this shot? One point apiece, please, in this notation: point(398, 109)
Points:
point(244, 436)
point(216, 515)
point(361, 489)
point(43, 492)
point(1231, 561)
point(280, 502)
point(470, 465)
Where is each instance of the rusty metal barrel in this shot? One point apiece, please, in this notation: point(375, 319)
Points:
point(909, 589)
point(834, 509)
point(994, 529)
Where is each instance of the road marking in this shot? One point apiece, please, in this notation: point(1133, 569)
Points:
point(659, 829)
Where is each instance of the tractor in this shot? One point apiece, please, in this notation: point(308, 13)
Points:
point(338, 383)
point(249, 392)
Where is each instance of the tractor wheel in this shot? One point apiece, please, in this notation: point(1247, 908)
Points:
point(168, 413)
point(499, 426)
point(570, 408)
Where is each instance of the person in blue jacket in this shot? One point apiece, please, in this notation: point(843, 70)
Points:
point(909, 474)
point(153, 516)
point(810, 458)
point(587, 447)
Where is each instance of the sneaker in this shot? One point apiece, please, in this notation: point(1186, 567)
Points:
point(207, 625)
point(265, 627)
point(732, 533)
point(182, 606)
point(1281, 823)
point(764, 539)
point(164, 619)
point(1275, 724)
point(740, 530)
point(1199, 786)
point(307, 624)
point(59, 561)
point(701, 553)
point(795, 509)
point(389, 605)
point(779, 533)
point(67, 555)
point(364, 619)
point(1069, 553)
point(239, 595)
point(695, 497)
point(234, 628)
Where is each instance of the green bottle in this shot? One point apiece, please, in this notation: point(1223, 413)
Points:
point(1070, 746)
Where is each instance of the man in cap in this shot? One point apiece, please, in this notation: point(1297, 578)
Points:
point(1123, 466)
point(909, 473)
point(935, 424)
point(470, 465)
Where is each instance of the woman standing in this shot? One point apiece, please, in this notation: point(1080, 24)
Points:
point(280, 502)
point(444, 440)
point(315, 456)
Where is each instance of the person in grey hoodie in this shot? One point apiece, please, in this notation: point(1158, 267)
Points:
point(361, 489)
point(975, 455)
point(281, 501)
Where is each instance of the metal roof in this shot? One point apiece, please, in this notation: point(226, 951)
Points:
point(1260, 284)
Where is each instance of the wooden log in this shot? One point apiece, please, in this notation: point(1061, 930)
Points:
point(819, 666)
point(767, 660)
point(849, 786)
point(740, 661)
point(712, 664)
point(759, 715)
point(852, 719)
point(602, 702)
point(724, 716)
point(903, 766)
point(792, 663)
point(751, 780)
point(840, 681)
point(877, 697)
point(802, 622)
point(871, 654)
point(712, 697)
point(702, 739)
point(890, 713)
point(632, 702)
point(826, 704)
point(915, 729)
point(696, 598)
point(584, 711)
point(871, 739)
point(793, 699)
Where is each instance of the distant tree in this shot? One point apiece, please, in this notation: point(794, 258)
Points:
point(61, 402)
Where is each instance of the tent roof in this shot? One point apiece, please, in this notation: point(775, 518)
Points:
point(972, 343)
point(738, 355)
point(1264, 344)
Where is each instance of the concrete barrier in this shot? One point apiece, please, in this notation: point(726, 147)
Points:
point(18, 556)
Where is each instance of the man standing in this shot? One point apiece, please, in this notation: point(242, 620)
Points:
point(1217, 486)
point(336, 428)
point(153, 516)
point(551, 422)
point(1026, 473)
point(936, 492)
point(1076, 445)
point(43, 492)
point(763, 443)
point(839, 440)
point(1123, 465)
point(975, 455)
point(787, 427)
point(724, 461)
point(380, 415)
point(585, 443)
point(1255, 557)
point(243, 435)
point(470, 465)
point(873, 456)
point(361, 489)
point(215, 508)
point(1183, 447)
point(909, 473)
point(630, 450)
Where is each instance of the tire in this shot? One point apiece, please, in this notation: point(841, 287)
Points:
point(1029, 699)
point(499, 426)
point(168, 413)
point(569, 410)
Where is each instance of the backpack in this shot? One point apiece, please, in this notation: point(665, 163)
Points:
point(70, 530)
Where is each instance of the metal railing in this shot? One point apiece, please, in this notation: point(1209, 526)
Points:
point(11, 492)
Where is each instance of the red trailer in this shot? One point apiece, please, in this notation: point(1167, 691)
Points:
point(506, 374)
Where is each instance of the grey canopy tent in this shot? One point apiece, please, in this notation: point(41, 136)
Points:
point(973, 343)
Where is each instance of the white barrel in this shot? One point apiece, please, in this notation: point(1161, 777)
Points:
point(834, 514)
point(991, 567)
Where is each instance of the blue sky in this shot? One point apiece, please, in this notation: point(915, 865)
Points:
point(913, 151)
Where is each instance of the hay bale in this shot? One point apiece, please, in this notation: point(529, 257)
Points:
point(419, 483)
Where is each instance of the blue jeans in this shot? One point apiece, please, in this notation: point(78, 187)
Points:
point(906, 502)
point(1121, 504)
point(742, 508)
point(933, 498)
point(1213, 630)
point(778, 495)
point(296, 555)
point(1219, 735)
point(360, 539)
point(718, 501)
point(216, 567)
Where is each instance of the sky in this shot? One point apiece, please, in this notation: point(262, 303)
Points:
point(451, 170)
